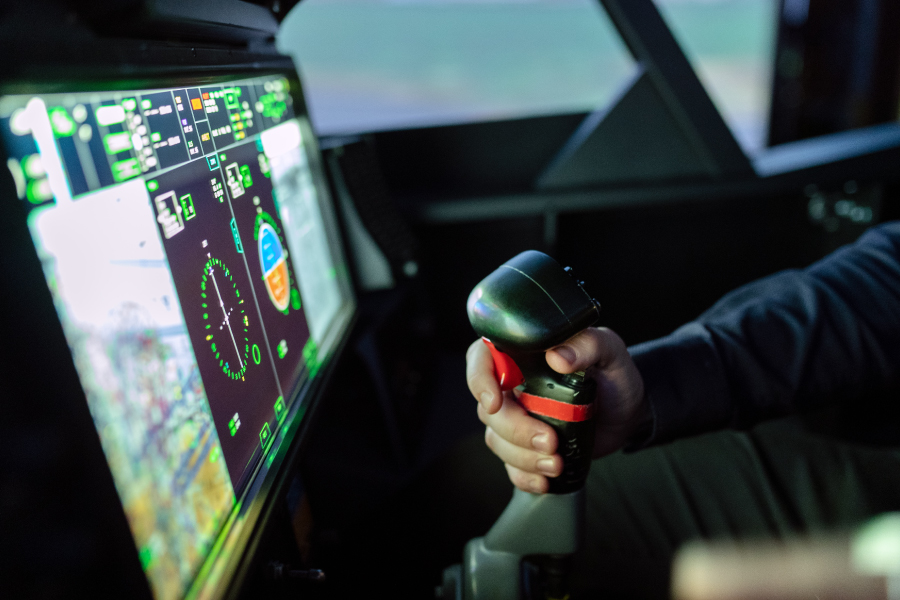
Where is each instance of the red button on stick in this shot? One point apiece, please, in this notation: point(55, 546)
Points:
point(505, 368)
point(562, 411)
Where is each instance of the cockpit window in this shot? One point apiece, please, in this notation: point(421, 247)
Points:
point(731, 45)
point(371, 65)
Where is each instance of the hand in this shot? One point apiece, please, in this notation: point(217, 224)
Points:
point(528, 446)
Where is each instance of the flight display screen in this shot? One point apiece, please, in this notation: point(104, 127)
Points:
point(191, 255)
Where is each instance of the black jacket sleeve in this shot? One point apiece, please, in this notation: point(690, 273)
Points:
point(787, 343)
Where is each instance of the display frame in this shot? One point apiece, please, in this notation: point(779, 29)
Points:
point(167, 66)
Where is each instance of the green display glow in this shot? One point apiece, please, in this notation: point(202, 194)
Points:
point(126, 169)
point(280, 409)
point(38, 191)
point(32, 166)
point(272, 106)
point(232, 98)
point(145, 556)
point(311, 356)
point(187, 207)
point(117, 142)
point(245, 175)
point(265, 435)
point(62, 123)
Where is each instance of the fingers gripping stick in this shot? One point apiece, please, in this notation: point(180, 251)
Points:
point(527, 306)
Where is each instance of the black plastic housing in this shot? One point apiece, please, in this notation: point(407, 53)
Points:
point(530, 304)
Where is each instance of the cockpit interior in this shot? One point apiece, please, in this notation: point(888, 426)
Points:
point(238, 246)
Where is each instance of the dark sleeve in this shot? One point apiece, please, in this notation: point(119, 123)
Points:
point(790, 342)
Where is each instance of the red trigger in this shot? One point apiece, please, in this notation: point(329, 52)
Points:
point(508, 373)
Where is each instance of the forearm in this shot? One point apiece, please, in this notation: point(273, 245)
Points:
point(790, 342)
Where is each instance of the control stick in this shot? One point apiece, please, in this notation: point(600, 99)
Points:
point(527, 306)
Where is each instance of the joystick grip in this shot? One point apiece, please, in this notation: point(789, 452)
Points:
point(566, 403)
point(527, 306)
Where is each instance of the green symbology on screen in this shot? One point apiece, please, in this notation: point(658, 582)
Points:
point(280, 409)
point(265, 435)
point(61, 122)
point(225, 319)
point(311, 356)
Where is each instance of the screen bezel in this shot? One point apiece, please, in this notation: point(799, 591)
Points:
point(221, 572)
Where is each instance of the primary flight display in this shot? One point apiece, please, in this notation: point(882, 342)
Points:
point(193, 266)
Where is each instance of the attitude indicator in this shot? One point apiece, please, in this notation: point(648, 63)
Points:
point(225, 319)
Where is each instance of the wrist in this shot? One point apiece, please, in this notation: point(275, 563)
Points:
point(644, 426)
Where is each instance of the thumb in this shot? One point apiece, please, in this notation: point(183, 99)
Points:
point(594, 346)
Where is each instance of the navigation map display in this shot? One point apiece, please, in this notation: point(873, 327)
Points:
point(192, 262)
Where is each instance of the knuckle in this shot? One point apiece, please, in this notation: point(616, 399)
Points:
point(526, 481)
point(474, 375)
point(517, 433)
point(591, 347)
point(490, 438)
point(521, 433)
point(519, 478)
point(482, 414)
point(591, 342)
point(553, 468)
point(479, 385)
point(522, 481)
